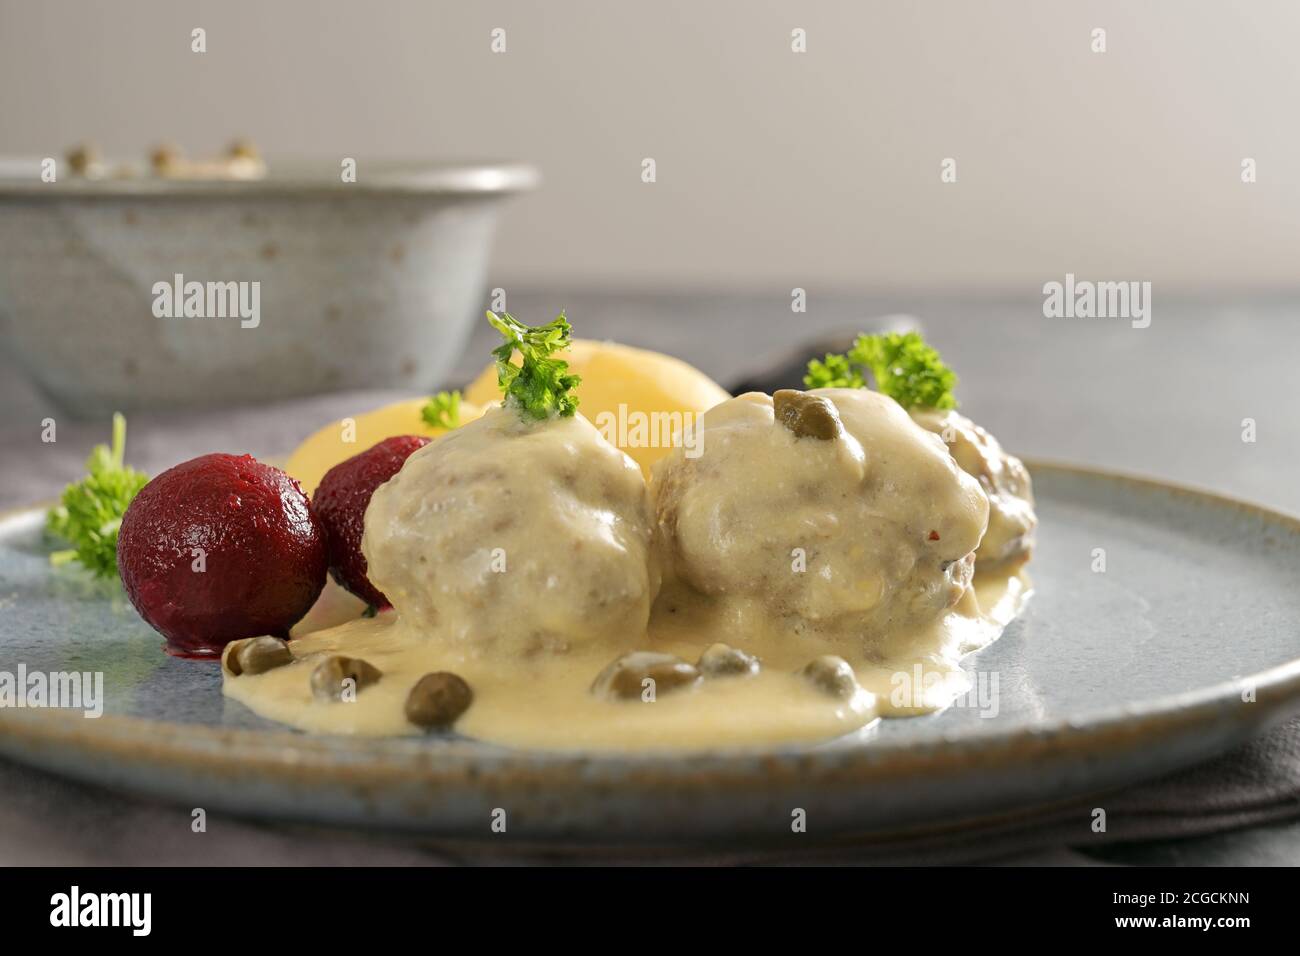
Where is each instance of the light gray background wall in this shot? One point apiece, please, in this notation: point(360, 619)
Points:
point(820, 169)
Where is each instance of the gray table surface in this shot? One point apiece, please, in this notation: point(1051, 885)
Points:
point(1167, 401)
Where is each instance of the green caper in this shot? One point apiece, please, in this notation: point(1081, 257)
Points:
point(255, 655)
point(330, 679)
point(831, 675)
point(437, 700)
point(808, 416)
point(624, 678)
point(723, 660)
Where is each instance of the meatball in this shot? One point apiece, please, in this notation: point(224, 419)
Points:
point(1010, 535)
point(829, 512)
point(516, 536)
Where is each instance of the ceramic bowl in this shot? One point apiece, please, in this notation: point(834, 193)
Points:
point(153, 293)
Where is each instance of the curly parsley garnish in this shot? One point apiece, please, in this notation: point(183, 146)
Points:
point(91, 509)
point(903, 366)
point(442, 410)
point(834, 372)
point(540, 386)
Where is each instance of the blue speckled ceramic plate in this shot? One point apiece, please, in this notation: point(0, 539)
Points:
point(1187, 643)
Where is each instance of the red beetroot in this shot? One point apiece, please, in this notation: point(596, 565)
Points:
point(341, 500)
point(251, 531)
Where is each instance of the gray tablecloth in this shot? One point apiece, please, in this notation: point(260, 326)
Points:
point(1167, 401)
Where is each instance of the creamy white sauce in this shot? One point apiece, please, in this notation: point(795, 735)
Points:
point(585, 534)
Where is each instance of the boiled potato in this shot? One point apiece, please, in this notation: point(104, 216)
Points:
point(645, 382)
point(329, 446)
point(612, 375)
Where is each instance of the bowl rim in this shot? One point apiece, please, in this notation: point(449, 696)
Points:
point(290, 177)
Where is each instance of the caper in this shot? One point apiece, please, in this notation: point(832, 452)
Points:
point(255, 655)
point(329, 679)
point(723, 660)
point(624, 678)
point(808, 416)
point(437, 700)
point(831, 675)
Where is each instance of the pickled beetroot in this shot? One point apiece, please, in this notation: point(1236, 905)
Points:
point(218, 548)
point(341, 500)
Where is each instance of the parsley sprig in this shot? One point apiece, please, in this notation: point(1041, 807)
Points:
point(442, 410)
point(540, 386)
point(90, 511)
point(903, 366)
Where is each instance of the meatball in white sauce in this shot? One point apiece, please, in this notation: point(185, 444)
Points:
point(516, 536)
point(827, 512)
